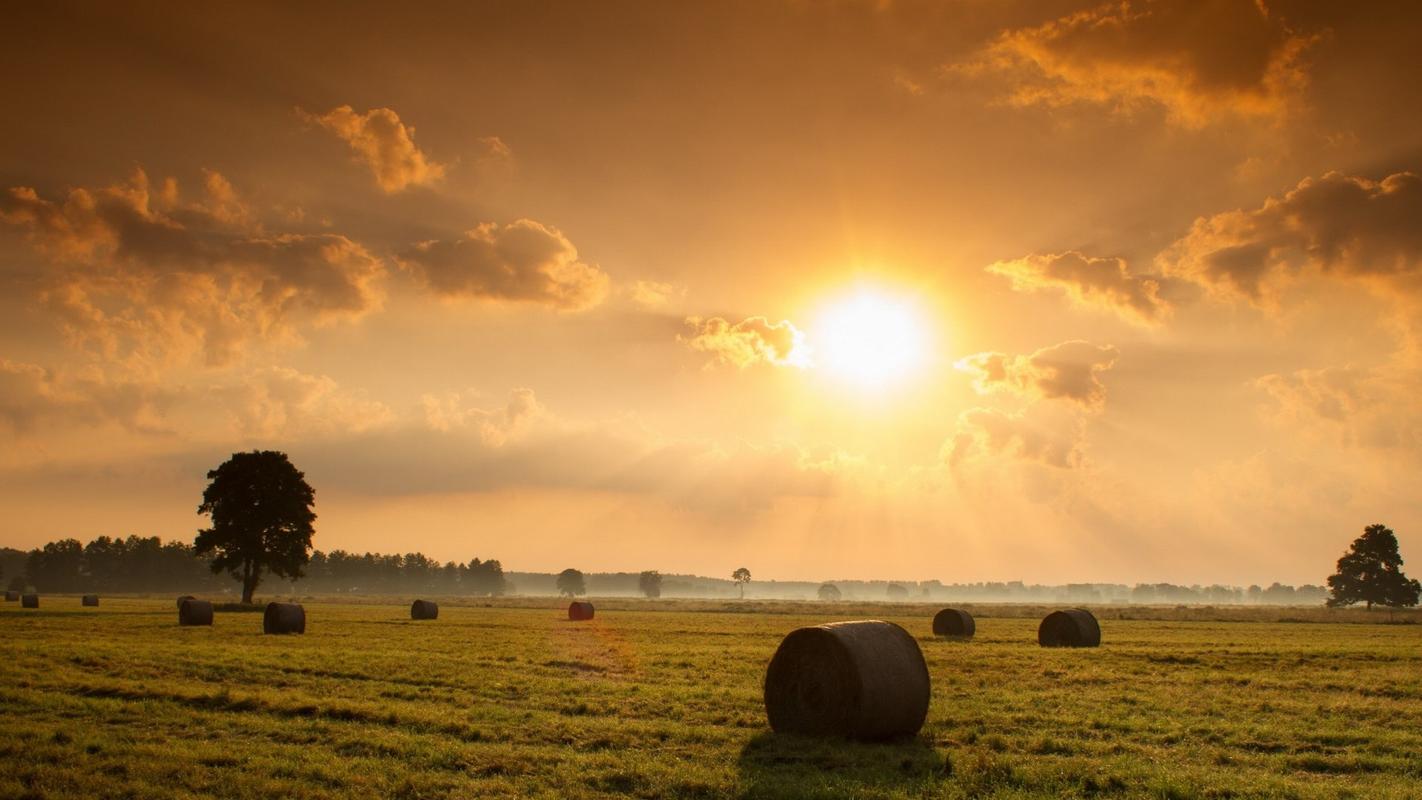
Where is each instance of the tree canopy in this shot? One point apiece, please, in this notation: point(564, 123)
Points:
point(260, 505)
point(570, 583)
point(650, 583)
point(1371, 572)
point(829, 592)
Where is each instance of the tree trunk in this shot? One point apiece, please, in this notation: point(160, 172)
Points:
point(743, 590)
point(250, 575)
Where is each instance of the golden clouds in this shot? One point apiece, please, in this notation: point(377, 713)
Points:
point(524, 261)
point(1196, 60)
point(986, 431)
point(1067, 371)
point(456, 411)
point(1105, 283)
point(1363, 407)
point(280, 402)
point(143, 275)
point(387, 146)
point(1336, 225)
point(753, 340)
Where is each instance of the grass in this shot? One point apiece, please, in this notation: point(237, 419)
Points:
point(663, 700)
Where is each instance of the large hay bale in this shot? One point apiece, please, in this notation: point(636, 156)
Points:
point(184, 597)
point(580, 610)
point(29, 601)
point(424, 609)
point(1070, 627)
point(954, 622)
point(89, 600)
point(192, 611)
point(11, 596)
point(861, 680)
point(284, 618)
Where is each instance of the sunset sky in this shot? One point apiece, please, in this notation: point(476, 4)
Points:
point(981, 290)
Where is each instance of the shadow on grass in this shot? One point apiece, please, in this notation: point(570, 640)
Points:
point(782, 765)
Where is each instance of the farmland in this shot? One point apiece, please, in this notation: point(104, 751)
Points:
point(663, 700)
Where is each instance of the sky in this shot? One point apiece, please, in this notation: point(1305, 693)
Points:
point(1047, 291)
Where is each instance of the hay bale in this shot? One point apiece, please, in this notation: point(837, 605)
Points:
point(11, 596)
point(424, 609)
point(861, 680)
point(90, 600)
point(579, 611)
point(29, 601)
point(284, 618)
point(1070, 627)
point(192, 611)
point(184, 597)
point(954, 622)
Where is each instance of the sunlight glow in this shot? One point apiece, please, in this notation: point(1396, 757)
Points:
point(870, 338)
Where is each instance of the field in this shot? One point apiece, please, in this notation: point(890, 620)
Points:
point(663, 700)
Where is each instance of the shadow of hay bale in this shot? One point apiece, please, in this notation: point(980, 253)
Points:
point(778, 765)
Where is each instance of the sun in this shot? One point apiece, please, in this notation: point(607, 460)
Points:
point(870, 338)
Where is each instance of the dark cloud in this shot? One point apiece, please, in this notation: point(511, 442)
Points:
point(1105, 283)
point(524, 261)
point(1069, 371)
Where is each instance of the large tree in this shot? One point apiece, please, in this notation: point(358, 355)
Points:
point(742, 577)
point(570, 583)
point(260, 506)
point(1371, 572)
point(650, 583)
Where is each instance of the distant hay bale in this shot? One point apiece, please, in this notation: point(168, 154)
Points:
point(954, 622)
point(192, 611)
point(580, 610)
point(284, 618)
point(860, 680)
point(11, 596)
point(185, 597)
point(1070, 627)
point(90, 600)
point(424, 609)
point(29, 601)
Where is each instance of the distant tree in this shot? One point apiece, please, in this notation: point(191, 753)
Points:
point(570, 583)
point(487, 578)
point(742, 577)
point(896, 592)
point(56, 567)
point(1371, 572)
point(650, 583)
point(829, 592)
point(260, 506)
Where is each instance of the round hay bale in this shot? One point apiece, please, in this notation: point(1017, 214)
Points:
point(580, 610)
point(185, 597)
point(1070, 627)
point(11, 596)
point(954, 622)
point(90, 600)
point(192, 611)
point(860, 680)
point(29, 601)
point(424, 609)
point(284, 618)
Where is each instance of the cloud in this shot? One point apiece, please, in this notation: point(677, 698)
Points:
point(524, 261)
point(1337, 225)
point(654, 294)
point(1196, 60)
point(989, 432)
point(387, 146)
point(283, 403)
point(33, 398)
point(455, 411)
point(753, 340)
point(1068, 371)
point(1105, 283)
point(1352, 407)
point(139, 273)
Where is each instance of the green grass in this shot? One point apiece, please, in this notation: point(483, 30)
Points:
point(663, 700)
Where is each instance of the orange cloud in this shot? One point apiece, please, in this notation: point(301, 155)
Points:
point(524, 261)
point(387, 146)
point(280, 402)
point(33, 398)
point(1105, 283)
point(1362, 407)
point(1337, 225)
point(754, 340)
point(494, 426)
point(1068, 371)
point(1194, 59)
point(141, 274)
point(985, 431)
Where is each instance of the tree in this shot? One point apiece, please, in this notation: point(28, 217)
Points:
point(570, 583)
point(260, 506)
point(742, 577)
point(1371, 572)
point(650, 583)
point(829, 592)
point(896, 592)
